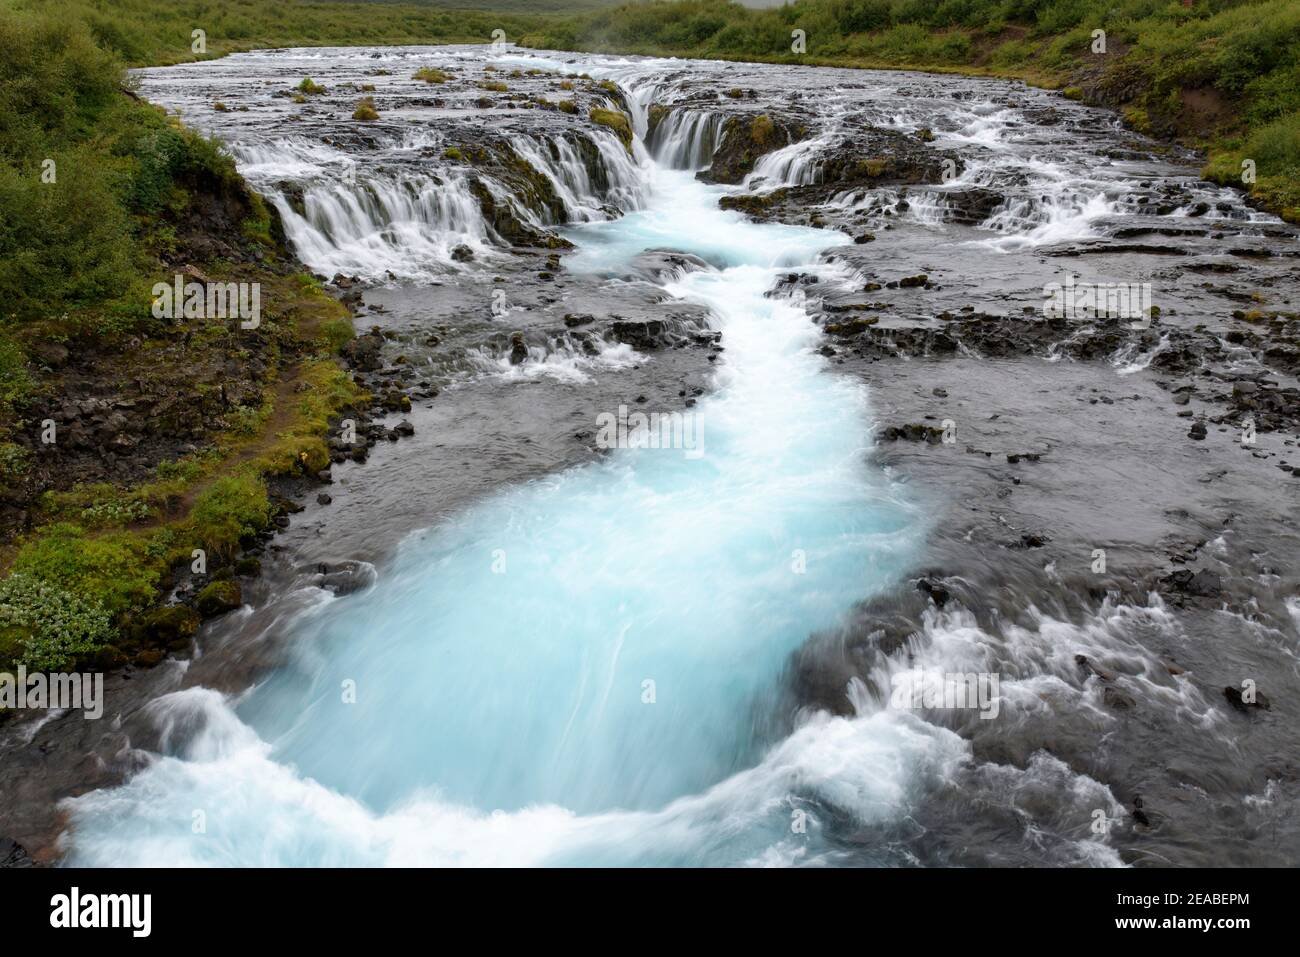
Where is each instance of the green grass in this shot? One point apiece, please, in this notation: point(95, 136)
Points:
point(365, 110)
point(90, 181)
point(151, 32)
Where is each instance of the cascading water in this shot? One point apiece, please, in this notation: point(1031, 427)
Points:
point(587, 198)
point(591, 668)
point(597, 654)
point(686, 139)
point(793, 165)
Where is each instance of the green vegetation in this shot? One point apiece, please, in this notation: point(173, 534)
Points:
point(1223, 75)
point(45, 627)
point(431, 75)
point(614, 120)
point(153, 32)
point(95, 187)
point(309, 87)
point(762, 130)
point(366, 110)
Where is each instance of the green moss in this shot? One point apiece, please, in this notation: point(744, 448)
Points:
point(452, 153)
point(218, 597)
point(235, 507)
point(495, 87)
point(873, 167)
point(168, 624)
point(614, 120)
point(309, 87)
point(762, 130)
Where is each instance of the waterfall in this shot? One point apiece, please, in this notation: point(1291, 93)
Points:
point(686, 138)
point(793, 165)
point(605, 182)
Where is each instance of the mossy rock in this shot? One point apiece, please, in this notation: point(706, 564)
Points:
point(874, 168)
point(762, 130)
point(655, 115)
point(149, 658)
point(852, 327)
point(616, 121)
point(162, 626)
point(219, 598)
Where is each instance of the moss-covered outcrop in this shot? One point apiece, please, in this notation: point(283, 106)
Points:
point(616, 121)
point(746, 138)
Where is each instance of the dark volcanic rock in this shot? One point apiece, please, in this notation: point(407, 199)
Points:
point(363, 352)
point(937, 592)
point(1201, 584)
point(640, 334)
point(13, 854)
point(870, 156)
point(1237, 699)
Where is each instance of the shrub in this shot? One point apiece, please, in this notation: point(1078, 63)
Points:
point(50, 625)
point(365, 110)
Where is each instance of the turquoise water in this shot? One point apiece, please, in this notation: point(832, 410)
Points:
point(583, 669)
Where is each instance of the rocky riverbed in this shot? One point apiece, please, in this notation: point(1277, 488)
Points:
point(1100, 508)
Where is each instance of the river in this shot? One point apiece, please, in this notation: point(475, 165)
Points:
point(619, 656)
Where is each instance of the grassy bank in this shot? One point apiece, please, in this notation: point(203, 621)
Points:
point(101, 196)
point(1221, 75)
point(154, 33)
